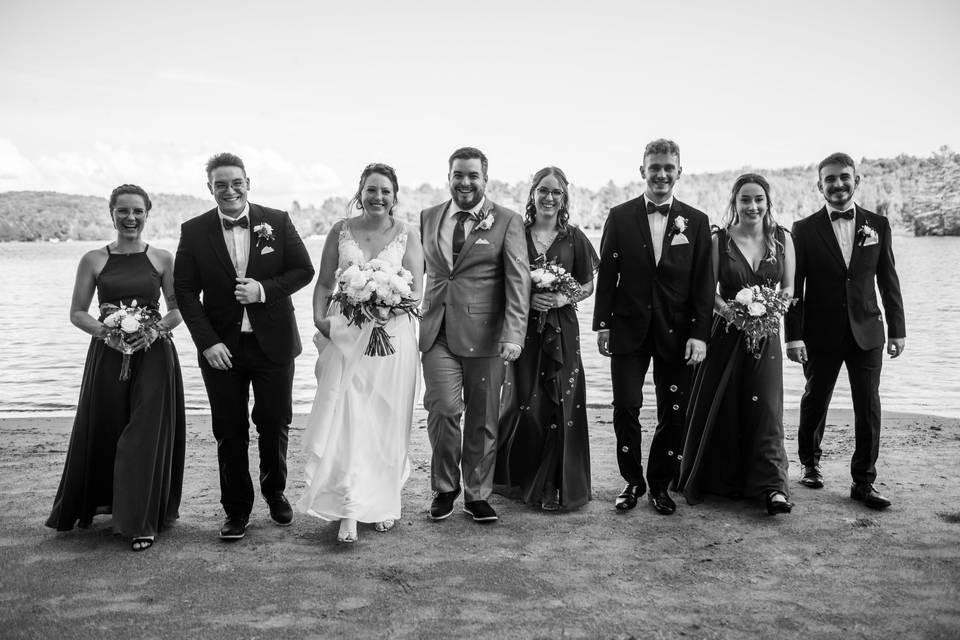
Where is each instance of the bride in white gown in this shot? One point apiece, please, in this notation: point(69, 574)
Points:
point(359, 427)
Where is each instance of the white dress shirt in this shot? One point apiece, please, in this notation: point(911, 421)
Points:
point(844, 230)
point(658, 226)
point(237, 240)
point(450, 221)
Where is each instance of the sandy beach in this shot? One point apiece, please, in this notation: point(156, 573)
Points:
point(722, 569)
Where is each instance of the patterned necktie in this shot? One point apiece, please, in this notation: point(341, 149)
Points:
point(662, 209)
point(459, 234)
point(229, 224)
point(846, 215)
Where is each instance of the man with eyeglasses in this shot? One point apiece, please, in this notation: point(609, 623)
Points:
point(654, 301)
point(245, 261)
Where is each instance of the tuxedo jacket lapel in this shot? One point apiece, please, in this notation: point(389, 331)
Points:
point(432, 232)
point(825, 229)
point(858, 221)
point(219, 247)
point(253, 251)
point(642, 226)
point(675, 210)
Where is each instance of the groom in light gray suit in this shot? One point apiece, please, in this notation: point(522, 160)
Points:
point(475, 308)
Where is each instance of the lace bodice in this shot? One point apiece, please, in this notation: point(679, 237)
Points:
point(351, 253)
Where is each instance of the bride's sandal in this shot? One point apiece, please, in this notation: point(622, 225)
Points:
point(142, 543)
point(348, 531)
point(385, 525)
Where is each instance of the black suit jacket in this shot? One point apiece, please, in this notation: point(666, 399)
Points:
point(831, 296)
point(203, 267)
point(636, 296)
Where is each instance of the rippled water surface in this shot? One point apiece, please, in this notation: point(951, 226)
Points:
point(43, 353)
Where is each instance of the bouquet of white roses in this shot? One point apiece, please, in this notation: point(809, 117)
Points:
point(757, 311)
point(126, 324)
point(373, 292)
point(550, 277)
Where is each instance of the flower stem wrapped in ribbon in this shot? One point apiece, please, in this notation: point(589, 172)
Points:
point(375, 291)
point(126, 325)
point(550, 277)
point(757, 312)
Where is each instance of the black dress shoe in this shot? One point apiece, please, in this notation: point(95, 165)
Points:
point(865, 493)
point(812, 477)
point(480, 511)
point(628, 497)
point(442, 505)
point(234, 528)
point(280, 510)
point(778, 506)
point(661, 501)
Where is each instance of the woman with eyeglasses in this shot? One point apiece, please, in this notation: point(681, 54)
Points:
point(544, 453)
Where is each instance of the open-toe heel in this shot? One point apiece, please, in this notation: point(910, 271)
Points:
point(385, 525)
point(142, 543)
point(777, 503)
point(348, 531)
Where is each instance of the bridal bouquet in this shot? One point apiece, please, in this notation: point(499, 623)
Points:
point(127, 324)
point(550, 277)
point(373, 292)
point(757, 311)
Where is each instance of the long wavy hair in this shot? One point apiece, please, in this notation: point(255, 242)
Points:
point(563, 215)
point(770, 225)
point(384, 170)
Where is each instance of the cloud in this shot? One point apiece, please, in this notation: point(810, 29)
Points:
point(277, 180)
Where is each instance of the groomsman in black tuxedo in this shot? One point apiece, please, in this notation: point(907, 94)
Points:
point(654, 301)
point(245, 261)
point(844, 255)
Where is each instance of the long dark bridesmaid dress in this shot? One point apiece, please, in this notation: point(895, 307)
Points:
point(733, 444)
point(543, 439)
point(126, 450)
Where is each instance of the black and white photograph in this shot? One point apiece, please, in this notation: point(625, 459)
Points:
point(480, 320)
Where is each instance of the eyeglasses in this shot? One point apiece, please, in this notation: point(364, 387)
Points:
point(543, 192)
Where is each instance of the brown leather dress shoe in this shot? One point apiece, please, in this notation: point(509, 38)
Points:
point(865, 493)
point(812, 477)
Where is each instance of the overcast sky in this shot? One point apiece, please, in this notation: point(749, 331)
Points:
point(93, 94)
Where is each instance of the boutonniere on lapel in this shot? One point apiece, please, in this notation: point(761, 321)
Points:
point(484, 223)
point(264, 234)
point(676, 232)
point(868, 235)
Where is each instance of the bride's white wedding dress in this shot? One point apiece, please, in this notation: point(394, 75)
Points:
point(359, 427)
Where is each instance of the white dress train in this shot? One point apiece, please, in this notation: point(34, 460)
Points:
point(358, 431)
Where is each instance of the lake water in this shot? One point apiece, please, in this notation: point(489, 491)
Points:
point(43, 353)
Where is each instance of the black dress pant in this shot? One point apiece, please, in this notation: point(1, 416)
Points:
point(229, 394)
point(863, 370)
point(672, 383)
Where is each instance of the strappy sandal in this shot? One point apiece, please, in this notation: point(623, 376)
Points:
point(142, 543)
point(385, 525)
point(348, 531)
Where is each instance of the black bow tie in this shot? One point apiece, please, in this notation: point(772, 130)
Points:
point(662, 209)
point(243, 223)
point(846, 215)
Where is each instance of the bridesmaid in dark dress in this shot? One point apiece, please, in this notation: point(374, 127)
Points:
point(544, 452)
point(734, 434)
point(126, 451)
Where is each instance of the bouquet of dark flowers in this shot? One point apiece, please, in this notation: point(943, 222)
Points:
point(126, 325)
point(757, 312)
point(550, 277)
point(373, 292)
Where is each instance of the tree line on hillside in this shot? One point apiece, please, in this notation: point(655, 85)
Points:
point(918, 195)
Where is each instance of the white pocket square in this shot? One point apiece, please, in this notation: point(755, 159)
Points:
point(266, 250)
point(482, 241)
point(869, 242)
point(679, 239)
